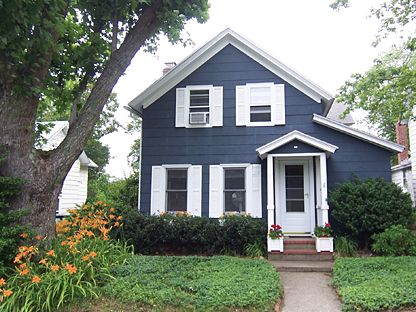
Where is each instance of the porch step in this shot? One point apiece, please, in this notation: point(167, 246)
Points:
point(299, 243)
point(300, 255)
point(303, 266)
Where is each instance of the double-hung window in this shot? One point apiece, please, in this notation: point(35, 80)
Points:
point(176, 190)
point(199, 106)
point(260, 104)
point(235, 190)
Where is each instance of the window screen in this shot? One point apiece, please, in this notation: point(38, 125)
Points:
point(176, 189)
point(234, 190)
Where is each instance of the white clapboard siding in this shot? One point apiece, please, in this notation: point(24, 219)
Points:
point(278, 104)
point(217, 107)
point(253, 188)
point(180, 116)
point(158, 191)
point(216, 188)
point(74, 189)
point(194, 190)
point(412, 143)
point(241, 106)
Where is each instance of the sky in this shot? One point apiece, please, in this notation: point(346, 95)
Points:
point(321, 44)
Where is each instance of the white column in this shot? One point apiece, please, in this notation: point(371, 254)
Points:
point(270, 191)
point(324, 188)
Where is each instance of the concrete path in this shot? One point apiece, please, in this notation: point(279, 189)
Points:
point(308, 292)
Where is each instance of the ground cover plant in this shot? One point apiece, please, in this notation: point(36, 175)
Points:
point(376, 283)
point(49, 274)
point(219, 283)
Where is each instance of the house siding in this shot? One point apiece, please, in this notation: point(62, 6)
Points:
point(162, 143)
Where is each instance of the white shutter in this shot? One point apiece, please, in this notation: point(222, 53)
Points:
point(180, 117)
point(253, 189)
point(158, 191)
point(240, 106)
point(278, 103)
point(194, 190)
point(216, 189)
point(217, 107)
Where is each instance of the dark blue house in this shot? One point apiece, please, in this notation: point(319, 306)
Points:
point(232, 130)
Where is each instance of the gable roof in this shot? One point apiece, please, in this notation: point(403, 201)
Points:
point(204, 53)
point(338, 126)
point(329, 148)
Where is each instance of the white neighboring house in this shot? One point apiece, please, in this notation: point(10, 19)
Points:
point(75, 187)
point(404, 174)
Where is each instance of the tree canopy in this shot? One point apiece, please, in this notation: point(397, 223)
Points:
point(387, 90)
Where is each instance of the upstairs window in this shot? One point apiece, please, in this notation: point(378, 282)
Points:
point(260, 104)
point(199, 106)
point(176, 190)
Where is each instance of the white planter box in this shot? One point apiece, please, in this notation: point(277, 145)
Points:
point(324, 244)
point(274, 244)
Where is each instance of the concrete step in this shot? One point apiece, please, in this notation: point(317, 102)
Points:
point(300, 255)
point(303, 266)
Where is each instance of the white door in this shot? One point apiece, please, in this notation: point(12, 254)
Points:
point(294, 191)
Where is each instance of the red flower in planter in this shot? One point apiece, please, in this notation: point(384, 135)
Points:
point(275, 231)
point(327, 224)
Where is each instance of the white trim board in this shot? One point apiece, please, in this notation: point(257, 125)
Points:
point(357, 133)
point(296, 135)
point(204, 53)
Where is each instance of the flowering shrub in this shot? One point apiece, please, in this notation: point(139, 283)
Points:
point(275, 231)
point(323, 231)
point(49, 274)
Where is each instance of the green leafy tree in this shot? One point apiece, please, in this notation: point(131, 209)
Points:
point(72, 52)
point(387, 90)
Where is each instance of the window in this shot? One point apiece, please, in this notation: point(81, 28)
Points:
point(199, 106)
point(176, 190)
point(234, 190)
point(260, 104)
point(294, 188)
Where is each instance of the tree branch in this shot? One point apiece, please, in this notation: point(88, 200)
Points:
point(81, 89)
point(72, 146)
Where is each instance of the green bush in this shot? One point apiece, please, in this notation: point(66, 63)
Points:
point(218, 283)
point(183, 234)
point(345, 247)
point(395, 241)
point(9, 229)
point(362, 208)
point(376, 283)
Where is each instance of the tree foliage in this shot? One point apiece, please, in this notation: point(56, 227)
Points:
point(387, 90)
point(66, 57)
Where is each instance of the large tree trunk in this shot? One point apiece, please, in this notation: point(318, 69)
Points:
point(44, 172)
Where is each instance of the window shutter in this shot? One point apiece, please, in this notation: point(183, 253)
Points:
point(194, 190)
point(158, 191)
point(253, 178)
point(278, 103)
point(240, 106)
point(216, 111)
point(180, 117)
point(216, 188)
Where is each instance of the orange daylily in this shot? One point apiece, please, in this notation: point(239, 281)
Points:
point(7, 293)
point(51, 252)
point(71, 268)
point(38, 237)
point(2, 282)
point(86, 258)
point(24, 235)
point(36, 279)
point(24, 272)
point(42, 261)
point(93, 254)
point(54, 268)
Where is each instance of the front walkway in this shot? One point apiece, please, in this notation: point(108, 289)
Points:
point(308, 292)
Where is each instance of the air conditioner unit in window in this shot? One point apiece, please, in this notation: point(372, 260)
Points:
point(199, 118)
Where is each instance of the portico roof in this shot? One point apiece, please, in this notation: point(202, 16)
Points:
point(328, 148)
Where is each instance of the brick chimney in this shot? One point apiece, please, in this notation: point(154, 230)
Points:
point(401, 138)
point(168, 67)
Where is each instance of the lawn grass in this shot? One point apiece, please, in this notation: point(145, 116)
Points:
point(376, 283)
point(163, 283)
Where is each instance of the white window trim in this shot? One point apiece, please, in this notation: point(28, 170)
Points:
point(249, 105)
point(187, 104)
point(177, 166)
point(235, 166)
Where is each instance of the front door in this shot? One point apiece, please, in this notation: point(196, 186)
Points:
point(294, 196)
